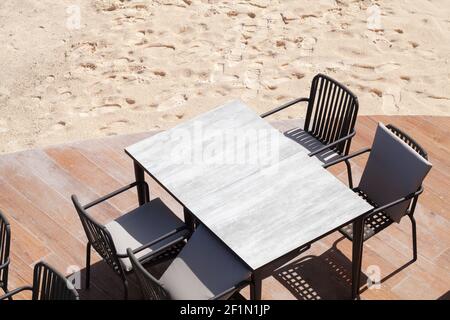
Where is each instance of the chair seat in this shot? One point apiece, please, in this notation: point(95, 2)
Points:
point(309, 142)
point(141, 226)
point(373, 224)
point(203, 269)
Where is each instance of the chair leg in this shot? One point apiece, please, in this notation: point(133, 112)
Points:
point(125, 289)
point(6, 291)
point(88, 264)
point(414, 236)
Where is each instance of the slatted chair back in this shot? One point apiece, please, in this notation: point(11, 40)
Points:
point(49, 284)
point(150, 287)
point(332, 111)
point(99, 237)
point(5, 239)
point(408, 140)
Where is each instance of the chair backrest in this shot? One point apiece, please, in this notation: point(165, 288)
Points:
point(408, 140)
point(151, 288)
point(49, 284)
point(332, 112)
point(99, 237)
point(5, 239)
point(396, 168)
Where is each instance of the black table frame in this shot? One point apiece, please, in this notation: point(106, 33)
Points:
point(266, 270)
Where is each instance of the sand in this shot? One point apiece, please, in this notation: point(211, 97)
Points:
point(135, 66)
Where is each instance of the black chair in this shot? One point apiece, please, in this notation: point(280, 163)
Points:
point(152, 230)
point(329, 124)
point(391, 181)
point(205, 269)
point(5, 239)
point(48, 284)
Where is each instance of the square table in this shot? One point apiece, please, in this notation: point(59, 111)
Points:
point(258, 191)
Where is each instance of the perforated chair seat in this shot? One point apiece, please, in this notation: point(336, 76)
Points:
point(372, 224)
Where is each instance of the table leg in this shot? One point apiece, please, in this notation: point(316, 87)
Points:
point(255, 287)
point(139, 174)
point(357, 250)
point(189, 219)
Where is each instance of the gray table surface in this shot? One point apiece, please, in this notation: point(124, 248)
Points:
point(261, 195)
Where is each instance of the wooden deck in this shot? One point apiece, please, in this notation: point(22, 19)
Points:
point(35, 195)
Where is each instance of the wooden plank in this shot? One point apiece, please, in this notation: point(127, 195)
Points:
point(20, 274)
point(62, 182)
point(21, 178)
point(106, 158)
point(47, 227)
point(55, 237)
point(88, 173)
point(24, 241)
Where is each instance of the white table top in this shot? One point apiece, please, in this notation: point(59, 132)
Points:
point(261, 206)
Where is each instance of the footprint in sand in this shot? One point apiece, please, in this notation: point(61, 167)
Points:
point(172, 117)
point(117, 124)
point(50, 79)
point(88, 66)
point(59, 125)
point(388, 67)
point(64, 93)
point(172, 103)
point(308, 43)
point(186, 72)
point(273, 82)
point(130, 101)
point(406, 78)
point(159, 73)
point(107, 108)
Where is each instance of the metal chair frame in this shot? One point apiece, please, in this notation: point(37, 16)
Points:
point(380, 210)
point(5, 242)
point(48, 284)
point(331, 114)
point(152, 289)
point(101, 240)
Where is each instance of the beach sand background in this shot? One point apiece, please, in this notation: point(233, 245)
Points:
point(135, 66)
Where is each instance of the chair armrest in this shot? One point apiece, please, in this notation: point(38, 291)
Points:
point(117, 192)
point(167, 235)
point(230, 290)
point(284, 106)
point(328, 146)
point(5, 264)
point(157, 252)
point(14, 292)
point(398, 201)
point(352, 155)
